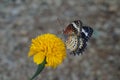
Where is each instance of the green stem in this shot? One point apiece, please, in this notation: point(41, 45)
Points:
point(39, 69)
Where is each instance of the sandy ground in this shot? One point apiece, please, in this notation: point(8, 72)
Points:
point(22, 20)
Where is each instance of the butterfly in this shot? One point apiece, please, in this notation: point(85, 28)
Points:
point(77, 36)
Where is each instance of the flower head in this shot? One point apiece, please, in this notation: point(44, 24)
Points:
point(48, 46)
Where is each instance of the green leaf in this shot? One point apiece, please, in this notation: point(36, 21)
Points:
point(39, 69)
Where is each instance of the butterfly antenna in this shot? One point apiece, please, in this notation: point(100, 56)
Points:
point(60, 23)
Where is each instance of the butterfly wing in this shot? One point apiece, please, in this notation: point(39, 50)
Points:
point(72, 43)
point(75, 44)
point(78, 37)
point(74, 28)
point(82, 45)
point(86, 32)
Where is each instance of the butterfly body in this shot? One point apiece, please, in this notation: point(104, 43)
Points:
point(78, 36)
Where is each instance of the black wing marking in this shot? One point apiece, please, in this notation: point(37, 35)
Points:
point(85, 35)
point(86, 32)
point(78, 23)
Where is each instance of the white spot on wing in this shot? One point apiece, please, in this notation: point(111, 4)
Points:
point(86, 34)
point(76, 26)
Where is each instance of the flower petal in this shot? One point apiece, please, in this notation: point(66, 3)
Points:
point(38, 58)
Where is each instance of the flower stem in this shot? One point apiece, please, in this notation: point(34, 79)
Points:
point(39, 69)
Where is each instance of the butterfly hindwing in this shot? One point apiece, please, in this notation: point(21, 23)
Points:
point(72, 43)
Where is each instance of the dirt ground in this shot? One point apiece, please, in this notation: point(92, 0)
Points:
point(22, 20)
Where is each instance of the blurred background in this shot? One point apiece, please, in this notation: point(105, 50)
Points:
point(22, 20)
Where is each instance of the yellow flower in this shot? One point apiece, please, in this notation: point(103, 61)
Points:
point(48, 46)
